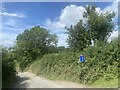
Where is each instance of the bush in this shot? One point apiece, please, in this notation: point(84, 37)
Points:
point(8, 69)
point(101, 62)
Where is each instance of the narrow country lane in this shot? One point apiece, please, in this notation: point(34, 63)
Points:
point(29, 80)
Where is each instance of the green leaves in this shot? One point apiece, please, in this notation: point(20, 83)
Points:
point(101, 62)
point(33, 43)
point(77, 38)
point(8, 68)
point(97, 27)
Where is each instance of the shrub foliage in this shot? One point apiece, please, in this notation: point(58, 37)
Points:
point(100, 62)
point(8, 68)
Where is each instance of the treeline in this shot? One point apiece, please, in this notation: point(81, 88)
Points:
point(38, 47)
point(35, 42)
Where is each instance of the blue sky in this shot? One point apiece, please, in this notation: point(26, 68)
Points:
point(39, 12)
point(54, 16)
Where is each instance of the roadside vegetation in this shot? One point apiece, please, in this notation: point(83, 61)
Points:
point(99, 70)
point(8, 67)
point(36, 50)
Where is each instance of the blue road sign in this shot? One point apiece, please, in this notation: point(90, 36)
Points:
point(82, 58)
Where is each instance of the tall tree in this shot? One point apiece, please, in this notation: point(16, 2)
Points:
point(33, 43)
point(99, 25)
point(97, 28)
point(78, 38)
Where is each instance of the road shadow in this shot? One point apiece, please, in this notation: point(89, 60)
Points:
point(21, 82)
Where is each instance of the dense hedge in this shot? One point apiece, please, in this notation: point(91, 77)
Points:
point(100, 62)
point(8, 69)
point(62, 65)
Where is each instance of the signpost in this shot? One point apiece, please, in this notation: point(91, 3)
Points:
point(82, 58)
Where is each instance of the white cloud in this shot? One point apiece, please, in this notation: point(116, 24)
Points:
point(55, 26)
point(7, 39)
point(10, 30)
point(62, 40)
point(98, 10)
point(114, 34)
point(10, 22)
point(70, 15)
point(14, 25)
point(112, 7)
point(14, 14)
